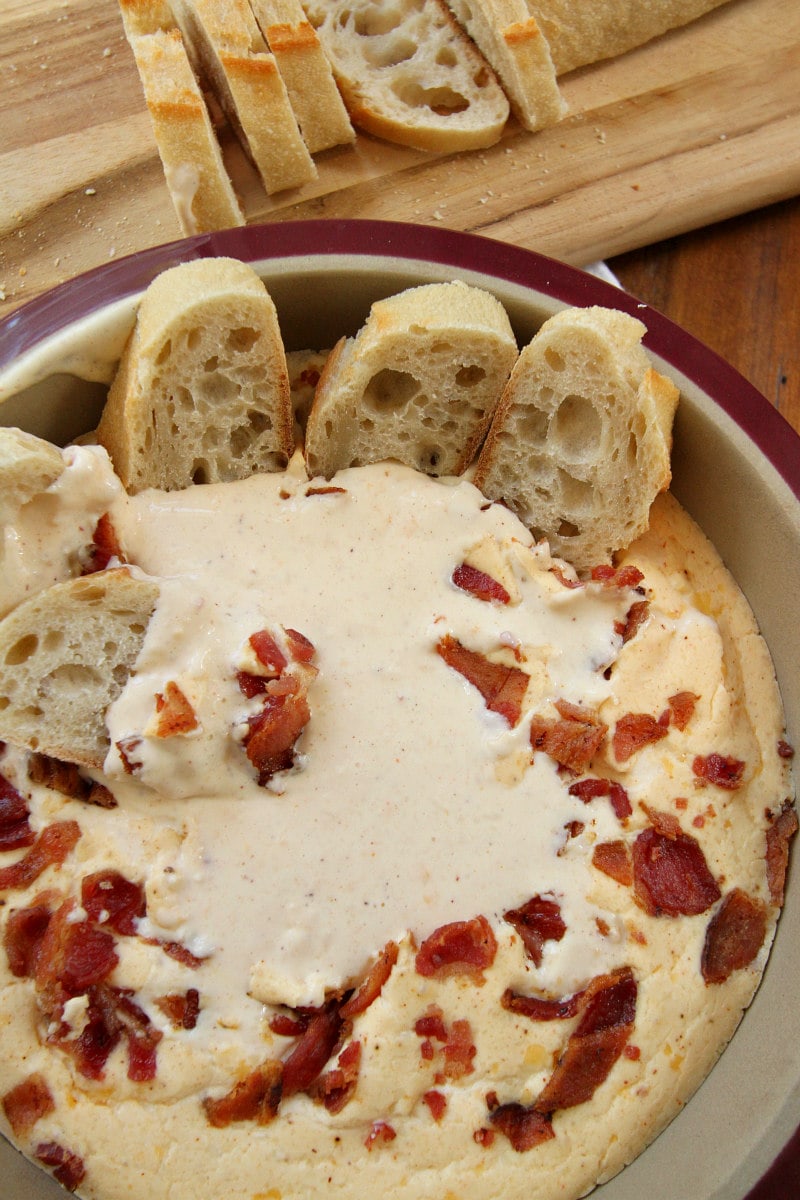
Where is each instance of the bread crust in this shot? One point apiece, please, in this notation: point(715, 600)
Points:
point(580, 443)
point(200, 189)
point(226, 46)
point(206, 354)
point(314, 96)
point(510, 39)
point(409, 73)
point(579, 34)
point(419, 383)
point(65, 655)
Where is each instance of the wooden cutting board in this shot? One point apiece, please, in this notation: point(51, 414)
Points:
point(697, 126)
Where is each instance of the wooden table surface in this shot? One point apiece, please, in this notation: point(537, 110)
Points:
point(735, 286)
point(683, 134)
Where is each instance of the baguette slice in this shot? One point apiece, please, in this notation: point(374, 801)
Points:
point(226, 48)
point(580, 444)
point(65, 655)
point(200, 189)
point(408, 73)
point(201, 394)
point(28, 466)
point(578, 34)
point(419, 382)
point(314, 96)
point(509, 38)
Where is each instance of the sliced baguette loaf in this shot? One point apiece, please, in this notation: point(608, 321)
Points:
point(580, 443)
point(511, 41)
point(579, 34)
point(65, 656)
point(227, 48)
point(304, 67)
point(28, 466)
point(200, 189)
point(201, 394)
point(419, 382)
point(408, 73)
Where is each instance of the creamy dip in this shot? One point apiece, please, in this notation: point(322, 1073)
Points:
point(399, 814)
point(409, 805)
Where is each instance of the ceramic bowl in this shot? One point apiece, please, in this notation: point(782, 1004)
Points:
point(736, 469)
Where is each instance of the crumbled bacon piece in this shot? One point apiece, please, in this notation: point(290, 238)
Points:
point(66, 779)
point(437, 1104)
point(314, 1047)
point(525, 1127)
point(108, 898)
point(607, 1016)
point(734, 936)
point(537, 921)
point(502, 687)
point(431, 1024)
point(141, 1035)
point(300, 648)
point(720, 769)
point(175, 712)
point(255, 1098)
point(335, 1087)
point(380, 1131)
point(459, 948)
point(181, 1008)
point(574, 741)
point(50, 848)
point(127, 748)
point(457, 1045)
point(682, 706)
point(781, 831)
point(484, 1137)
point(273, 732)
point(633, 732)
point(636, 616)
point(371, 985)
point(68, 1167)
point(785, 749)
point(23, 936)
point(590, 788)
point(614, 860)
point(176, 951)
point(325, 490)
point(111, 1015)
point(268, 653)
point(459, 1051)
point(74, 955)
point(285, 1026)
point(27, 1102)
point(542, 1008)
point(105, 546)
point(671, 875)
point(62, 777)
point(567, 581)
point(15, 830)
point(480, 585)
point(619, 577)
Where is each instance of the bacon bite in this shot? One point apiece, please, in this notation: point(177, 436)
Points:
point(502, 687)
point(282, 685)
point(574, 740)
point(670, 872)
point(460, 948)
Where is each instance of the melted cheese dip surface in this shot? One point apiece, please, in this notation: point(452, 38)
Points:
point(411, 804)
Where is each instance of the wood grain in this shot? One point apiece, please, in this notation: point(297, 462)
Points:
point(696, 127)
point(735, 286)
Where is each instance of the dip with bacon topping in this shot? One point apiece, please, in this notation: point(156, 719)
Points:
point(416, 861)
